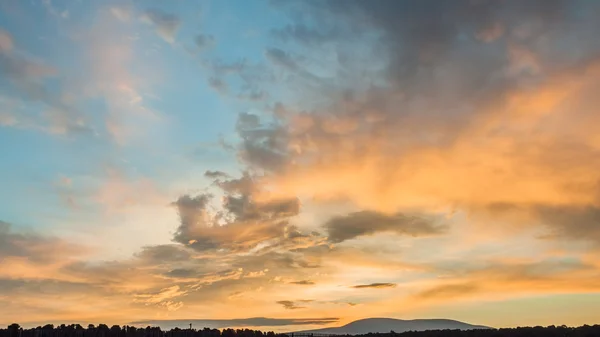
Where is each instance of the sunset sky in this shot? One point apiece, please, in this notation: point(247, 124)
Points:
point(310, 162)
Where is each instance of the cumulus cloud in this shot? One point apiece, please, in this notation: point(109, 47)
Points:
point(166, 24)
point(244, 220)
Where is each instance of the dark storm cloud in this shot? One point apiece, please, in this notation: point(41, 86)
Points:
point(342, 228)
point(375, 285)
point(225, 323)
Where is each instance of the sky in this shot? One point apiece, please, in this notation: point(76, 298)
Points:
point(289, 165)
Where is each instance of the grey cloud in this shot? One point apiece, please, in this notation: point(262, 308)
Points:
point(281, 58)
point(226, 323)
point(41, 287)
point(28, 77)
point(33, 246)
point(291, 305)
point(424, 31)
point(218, 84)
point(280, 261)
point(263, 146)
point(573, 222)
point(181, 273)
point(215, 174)
point(375, 285)
point(425, 46)
point(244, 209)
point(342, 228)
point(243, 223)
point(303, 282)
point(164, 254)
point(204, 41)
point(166, 24)
point(191, 212)
point(304, 34)
point(244, 185)
point(581, 223)
point(284, 60)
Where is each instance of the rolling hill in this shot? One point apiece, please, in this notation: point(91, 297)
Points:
point(382, 325)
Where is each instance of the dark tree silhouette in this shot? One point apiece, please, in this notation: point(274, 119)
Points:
point(76, 330)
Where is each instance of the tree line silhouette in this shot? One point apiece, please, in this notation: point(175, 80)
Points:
point(102, 330)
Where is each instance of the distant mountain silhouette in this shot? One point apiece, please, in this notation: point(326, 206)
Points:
point(384, 325)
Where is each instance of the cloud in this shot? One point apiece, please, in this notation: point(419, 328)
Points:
point(300, 32)
point(215, 174)
point(441, 107)
point(375, 285)
point(52, 10)
point(165, 297)
point(121, 13)
point(573, 222)
point(164, 254)
point(291, 305)
point(241, 322)
point(357, 224)
point(32, 104)
point(243, 220)
point(561, 222)
point(449, 291)
point(281, 58)
point(6, 43)
point(504, 279)
point(192, 213)
point(204, 42)
point(490, 33)
point(166, 24)
point(33, 246)
point(303, 282)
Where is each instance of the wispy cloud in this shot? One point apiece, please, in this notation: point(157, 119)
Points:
point(375, 285)
point(166, 24)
